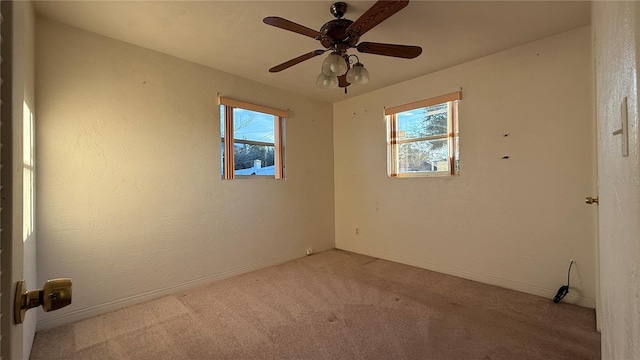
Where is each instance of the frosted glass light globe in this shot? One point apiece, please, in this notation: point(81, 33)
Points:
point(327, 81)
point(334, 65)
point(358, 75)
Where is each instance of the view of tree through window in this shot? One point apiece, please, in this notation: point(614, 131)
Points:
point(424, 139)
point(247, 154)
point(424, 154)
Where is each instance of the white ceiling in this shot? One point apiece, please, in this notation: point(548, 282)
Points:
point(230, 35)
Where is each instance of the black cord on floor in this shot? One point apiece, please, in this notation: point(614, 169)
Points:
point(564, 290)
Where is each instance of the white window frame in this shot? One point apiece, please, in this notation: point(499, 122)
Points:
point(452, 136)
point(279, 117)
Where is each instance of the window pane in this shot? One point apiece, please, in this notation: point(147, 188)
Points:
point(253, 134)
point(456, 146)
point(424, 156)
point(222, 139)
point(422, 122)
point(254, 159)
point(221, 121)
point(251, 149)
point(254, 126)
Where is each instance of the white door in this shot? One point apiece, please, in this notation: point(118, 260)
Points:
point(17, 174)
point(615, 28)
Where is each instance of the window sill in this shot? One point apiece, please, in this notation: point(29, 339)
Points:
point(239, 177)
point(422, 175)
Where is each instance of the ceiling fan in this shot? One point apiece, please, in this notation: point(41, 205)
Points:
point(342, 34)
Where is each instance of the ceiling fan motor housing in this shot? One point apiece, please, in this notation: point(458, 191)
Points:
point(335, 33)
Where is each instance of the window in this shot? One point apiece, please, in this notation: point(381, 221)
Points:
point(422, 137)
point(251, 140)
point(28, 173)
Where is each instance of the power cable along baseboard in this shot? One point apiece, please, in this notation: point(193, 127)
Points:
point(564, 289)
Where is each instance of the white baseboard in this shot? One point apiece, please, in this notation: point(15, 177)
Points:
point(491, 280)
point(55, 320)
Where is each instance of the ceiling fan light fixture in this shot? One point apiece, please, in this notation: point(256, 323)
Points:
point(334, 65)
point(327, 81)
point(358, 74)
point(339, 36)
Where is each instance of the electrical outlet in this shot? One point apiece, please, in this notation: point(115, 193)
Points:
point(357, 231)
point(309, 251)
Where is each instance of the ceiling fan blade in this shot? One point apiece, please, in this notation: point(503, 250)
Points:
point(379, 12)
point(291, 26)
point(294, 61)
point(401, 51)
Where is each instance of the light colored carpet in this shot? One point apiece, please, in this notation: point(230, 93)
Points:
point(333, 305)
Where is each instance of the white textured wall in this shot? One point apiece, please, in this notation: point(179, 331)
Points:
point(514, 223)
point(616, 29)
point(130, 200)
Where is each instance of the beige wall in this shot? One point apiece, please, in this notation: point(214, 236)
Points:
point(616, 30)
point(131, 204)
point(513, 223)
